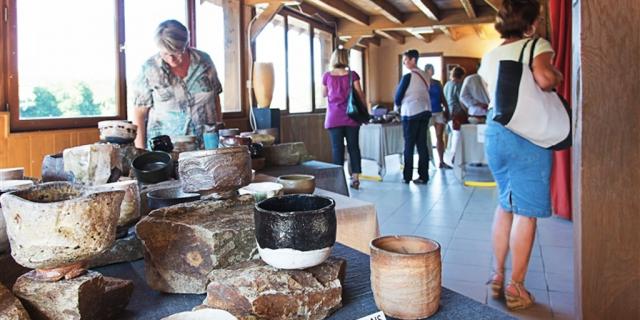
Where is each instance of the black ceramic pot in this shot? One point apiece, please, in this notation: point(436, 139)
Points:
point(161, 143)
point(295, 231)
point(167, 197)
point(153, 167)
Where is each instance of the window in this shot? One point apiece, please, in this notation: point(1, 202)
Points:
point(355, 62)
point(69, 70)
point(270, 47)
point(65, 71)
point(141, 18)
point(300, 50)
point(322, 50)
point(434, 59)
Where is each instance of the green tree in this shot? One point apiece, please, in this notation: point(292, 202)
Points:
point(87, 107)
point(46, 105)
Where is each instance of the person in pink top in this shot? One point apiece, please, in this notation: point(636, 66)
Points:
point(336, 88)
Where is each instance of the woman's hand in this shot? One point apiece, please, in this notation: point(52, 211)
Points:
point(140, 120)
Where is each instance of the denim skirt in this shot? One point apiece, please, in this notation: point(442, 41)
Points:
point(521, 169)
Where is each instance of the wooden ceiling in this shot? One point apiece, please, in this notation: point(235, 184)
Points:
point(364, 22)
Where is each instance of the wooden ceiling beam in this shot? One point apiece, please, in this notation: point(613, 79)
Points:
point(312, 11)
point(353, 41)
point(480, 32)
point(495, 4)
point(450, 32)
point(264, 18)
point(342, 9)
point(284, 2)
point(426, 37)
point(369, 41)
point(391, 35)
point(469, 8)
point(429, 8)
point(450, 18)
point(388, 10)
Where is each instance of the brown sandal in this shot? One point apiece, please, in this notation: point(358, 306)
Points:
point(355, 184)
point(524, 299)
point(496, 283)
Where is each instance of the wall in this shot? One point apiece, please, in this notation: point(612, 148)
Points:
point(27, 149)
point(607, 152)
point(384, 62)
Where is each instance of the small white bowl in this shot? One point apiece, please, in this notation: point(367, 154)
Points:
point(263, 190)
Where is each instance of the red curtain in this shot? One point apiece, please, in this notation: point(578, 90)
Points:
point(560, 14)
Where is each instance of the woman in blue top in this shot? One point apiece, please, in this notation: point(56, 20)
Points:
point(439, 111)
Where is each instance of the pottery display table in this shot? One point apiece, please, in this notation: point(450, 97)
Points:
point(357, 299)
point(357, 219)
point(328, 176)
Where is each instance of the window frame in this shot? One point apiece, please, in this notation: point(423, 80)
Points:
point(423, 55)
point(9, 77)
point(313, 24)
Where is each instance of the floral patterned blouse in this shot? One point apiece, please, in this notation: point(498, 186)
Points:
point(178, 106)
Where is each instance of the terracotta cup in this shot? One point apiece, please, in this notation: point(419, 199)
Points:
point(406, 276)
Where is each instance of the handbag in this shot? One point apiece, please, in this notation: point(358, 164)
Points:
point(543, 118)
point(356, 110)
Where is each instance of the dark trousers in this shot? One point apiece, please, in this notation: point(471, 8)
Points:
point(415, 136)
point(337, 136)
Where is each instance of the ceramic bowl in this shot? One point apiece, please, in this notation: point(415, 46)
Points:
point(263, 190)
point(274, 132)
point(130, 207)
point(219, 171)
point(295, 231)
point(11, 173)
point(12, 185)
point(234, 141)
point(161, 143)
point(297, 183)
point(117, 131)
point(406, 268)
point(185, 143)
point(229, 132)
point(53, 168)
point(57, 224)
point(170, 196)
point(153, 167)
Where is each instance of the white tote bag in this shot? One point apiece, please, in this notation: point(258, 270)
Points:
point(542, 117)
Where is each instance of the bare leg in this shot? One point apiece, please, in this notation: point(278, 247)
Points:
point(522, 236)
point(440, 140)
point(500, 235)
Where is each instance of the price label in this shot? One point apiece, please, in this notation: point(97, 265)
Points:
point(375, 316)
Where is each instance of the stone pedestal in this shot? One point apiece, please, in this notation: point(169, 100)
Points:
point(10, 270)
point(254, 289)
point(90, 296)
point(10, 306)
point(184, 243)
point(124, 249)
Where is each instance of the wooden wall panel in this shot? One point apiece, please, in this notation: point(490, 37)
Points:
point(469, 64)
point(608, 148)
point(308, 128)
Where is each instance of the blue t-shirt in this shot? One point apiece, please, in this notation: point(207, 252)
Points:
point(435, 94)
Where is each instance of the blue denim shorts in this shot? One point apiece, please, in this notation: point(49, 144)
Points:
point(522, 171)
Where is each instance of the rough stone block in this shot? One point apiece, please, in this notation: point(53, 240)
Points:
point(185, 242)
point(254, 289)
point(90, 296)
point(10, 306)
point(124, 249)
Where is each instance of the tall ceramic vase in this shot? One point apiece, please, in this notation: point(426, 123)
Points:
point(263, 82)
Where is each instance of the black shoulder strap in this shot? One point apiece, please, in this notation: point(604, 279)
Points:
point(533, 47)
point(522, 51)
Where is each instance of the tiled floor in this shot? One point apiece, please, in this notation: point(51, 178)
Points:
point(459, 218)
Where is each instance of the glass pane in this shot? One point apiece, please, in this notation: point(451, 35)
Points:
point(270, 48)
point(322, 49)
point(436, 61)
point(210, 39)
point(299, 57)
point(142, 17)
point(355, 62)
point(66, 71)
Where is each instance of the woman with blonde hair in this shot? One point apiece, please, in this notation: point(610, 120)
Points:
point(336, 87)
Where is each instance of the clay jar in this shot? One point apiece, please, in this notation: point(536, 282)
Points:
point(117, 131)
point(220, 171)
point(297, 183)
point(295, 231)
point(406, 276)
point(54, 227)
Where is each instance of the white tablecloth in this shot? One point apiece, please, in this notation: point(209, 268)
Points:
point(466, 146)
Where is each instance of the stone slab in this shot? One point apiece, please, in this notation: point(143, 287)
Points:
point(124, 249)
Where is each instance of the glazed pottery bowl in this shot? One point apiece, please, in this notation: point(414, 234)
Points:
point(297, 183)
point(406, 276)
point(229, 132)
point(117, 131)
point(161, 143)
point(295, 231)
point(263, 190)
point(234, 141)
point(170, 196)
point(58, 224)
point(185, 143)
point(217, 171)
point(11, 173)
point(153, 167)
point(130, 207)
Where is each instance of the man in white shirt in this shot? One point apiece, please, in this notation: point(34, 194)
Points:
point(474, 96)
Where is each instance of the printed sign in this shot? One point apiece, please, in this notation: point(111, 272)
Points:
point(375, 316)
